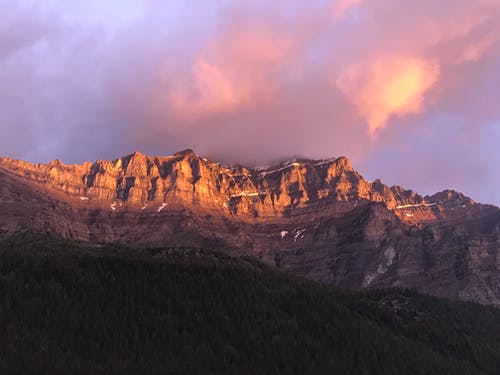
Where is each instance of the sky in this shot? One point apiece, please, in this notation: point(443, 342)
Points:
point(408, 90)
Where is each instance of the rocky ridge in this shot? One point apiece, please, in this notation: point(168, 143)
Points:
point(141, 182)
point(314, 218)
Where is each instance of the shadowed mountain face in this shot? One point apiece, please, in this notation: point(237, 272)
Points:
point(318, 219)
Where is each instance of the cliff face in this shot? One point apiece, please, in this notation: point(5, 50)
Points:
point(145, 183)
point(318, 219)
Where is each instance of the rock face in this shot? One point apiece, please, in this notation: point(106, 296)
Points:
point(319, 219)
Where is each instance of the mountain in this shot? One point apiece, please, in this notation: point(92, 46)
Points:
point(314, 218)
point(77, 308)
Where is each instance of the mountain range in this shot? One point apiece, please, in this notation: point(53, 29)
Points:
point(318, 219)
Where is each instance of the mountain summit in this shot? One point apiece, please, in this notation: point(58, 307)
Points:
point(314, 218)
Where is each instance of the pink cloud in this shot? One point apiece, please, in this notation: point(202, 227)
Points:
point(212, 91)
point(341, 7)
point(387, 87)
point(477, 48)
point(236, 69)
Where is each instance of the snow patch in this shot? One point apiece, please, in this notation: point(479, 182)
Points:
point(163, 205)
point(283, 233)
point(286, 165)
point(415, 205)
point(298, 234)
point(409, 215)
point(289, 162)
point(327, 161)
point(144, 207)
point(247, 194)
point(84, 198)
point(113, 206)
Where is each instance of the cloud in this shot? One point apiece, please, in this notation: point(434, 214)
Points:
point(393, 85)
point(476, 49)
point(212, 91)
point(341, 7)
point(236, 69)
point(389, 86)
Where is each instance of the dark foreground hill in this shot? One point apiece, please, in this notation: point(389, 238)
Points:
point(72, 308)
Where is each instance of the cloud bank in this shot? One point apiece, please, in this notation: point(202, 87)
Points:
point(408, 90)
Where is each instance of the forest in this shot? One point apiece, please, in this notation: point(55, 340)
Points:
point(77, 308)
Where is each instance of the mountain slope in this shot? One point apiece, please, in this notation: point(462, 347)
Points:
point(318, 219)
point(74, 308)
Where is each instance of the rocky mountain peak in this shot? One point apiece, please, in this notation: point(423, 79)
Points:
point(186, 153)
point(450, 196)
point(344, 164)
point(141, 182)
point(135, 164)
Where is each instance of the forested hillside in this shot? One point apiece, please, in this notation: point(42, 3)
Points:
point(76, 308)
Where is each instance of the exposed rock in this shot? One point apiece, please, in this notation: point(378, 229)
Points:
point(318, 219)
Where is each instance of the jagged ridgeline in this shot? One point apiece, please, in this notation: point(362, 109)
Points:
point(142, 182)
point(75, 308)
point(314, 218)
